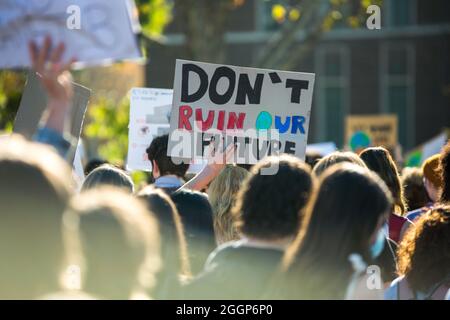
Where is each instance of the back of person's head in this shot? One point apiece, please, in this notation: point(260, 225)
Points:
point(414, 189)
point(312, 158)
point(173, 242)
point(349, 207)
point(222, 194)
point(197, 217)
point(157, 154)
point(114, 240)
point(335, 158)
point(269, 205)
point(379, 160)
point(108, 175)
point(34, 191)
point(93, 164)
point(433, 177)
point(445, 172)
point(424, 253)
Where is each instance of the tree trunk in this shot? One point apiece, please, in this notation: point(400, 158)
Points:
point(282, 51)
point(204, 23)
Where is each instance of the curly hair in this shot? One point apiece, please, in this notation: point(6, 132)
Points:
point(445, 171)
point(424, 253)
point(270, 206)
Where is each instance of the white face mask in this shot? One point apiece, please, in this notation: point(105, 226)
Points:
point(377, 247)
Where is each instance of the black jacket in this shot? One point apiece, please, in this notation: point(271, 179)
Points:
point(235, 271)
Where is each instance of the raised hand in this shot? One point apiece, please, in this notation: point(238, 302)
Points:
point(55, 78)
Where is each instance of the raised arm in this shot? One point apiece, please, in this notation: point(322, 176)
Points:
point(217, 160)
point(56, 81)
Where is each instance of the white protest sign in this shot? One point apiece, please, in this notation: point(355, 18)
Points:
point(322, 148)
point(149, 118)
point(263, 112)
point(34, 102)
point(434, 146)
point(94, 31)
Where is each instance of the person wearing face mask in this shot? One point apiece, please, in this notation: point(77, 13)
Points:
point(346, 220)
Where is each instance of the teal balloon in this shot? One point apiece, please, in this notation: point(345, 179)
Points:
point(263, 121)
point(359, 140)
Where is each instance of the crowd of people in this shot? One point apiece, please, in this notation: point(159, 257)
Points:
point(344, 226)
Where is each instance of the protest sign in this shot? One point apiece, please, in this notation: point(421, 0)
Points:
point(322, 148)
point(371, 130)
point(94, 31)
point(34, 102)
point(149, 118)
point(416, 157)
point(262, 112)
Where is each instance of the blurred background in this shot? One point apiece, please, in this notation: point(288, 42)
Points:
point(401, 69)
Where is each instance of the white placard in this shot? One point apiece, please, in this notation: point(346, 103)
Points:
point(149, 118)
point(263, 112)
point(94, 31)
point(434, 146)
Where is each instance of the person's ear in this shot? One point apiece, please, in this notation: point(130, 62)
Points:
point(155, 170)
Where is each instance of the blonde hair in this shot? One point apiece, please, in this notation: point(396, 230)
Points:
point(222, 194)
point(139, 226)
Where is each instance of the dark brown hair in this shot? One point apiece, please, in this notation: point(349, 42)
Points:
point(269, 204)
point(424, 253)
point(380, 161)
point(416, 195)
point(340, 220)
point(157, 151)
point(174, 252)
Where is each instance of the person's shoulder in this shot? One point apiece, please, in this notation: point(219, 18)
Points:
point(221, 252)
point(391, 293)
point(414, 214)
point(190, 194)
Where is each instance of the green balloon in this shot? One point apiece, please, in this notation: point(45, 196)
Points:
point(263, 121)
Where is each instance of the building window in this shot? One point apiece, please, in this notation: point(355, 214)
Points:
point(401, 12)
point(332, 93)
point(397, 85)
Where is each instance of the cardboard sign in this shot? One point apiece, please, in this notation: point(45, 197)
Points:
point(149, 118)
point(372, 130)
point(94, 31)
point(34, 102)
point(263, 112)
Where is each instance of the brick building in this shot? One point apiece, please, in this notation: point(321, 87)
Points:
point(404, 68)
